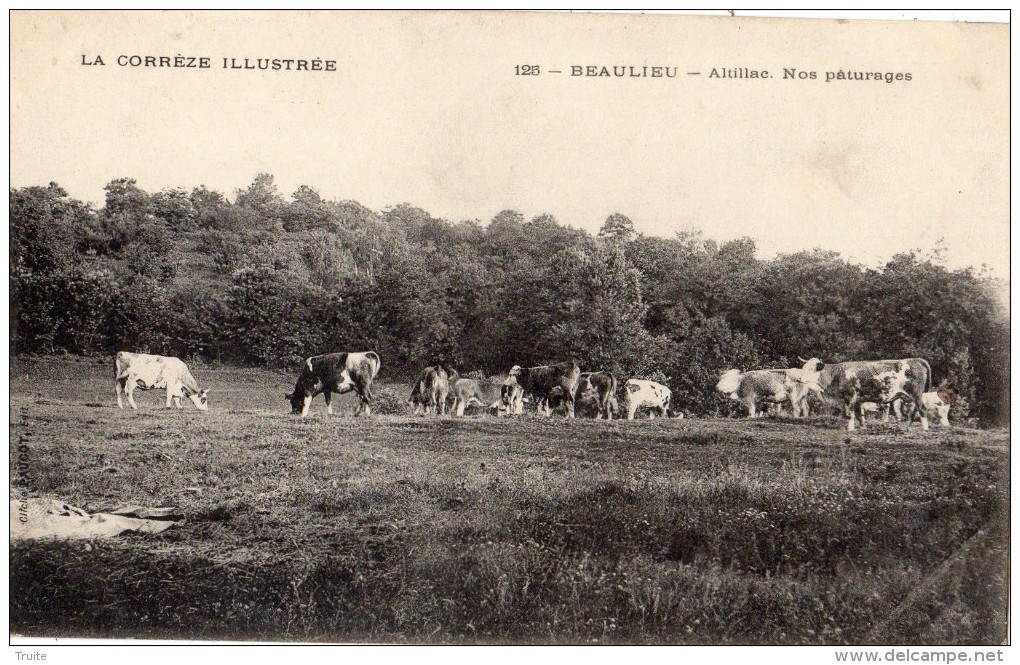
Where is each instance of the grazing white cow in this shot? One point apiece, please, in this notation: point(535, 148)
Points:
point(639, 393)
point(147, 372)
point(935, 405)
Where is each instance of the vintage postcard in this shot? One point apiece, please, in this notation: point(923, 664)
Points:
point(509, 328)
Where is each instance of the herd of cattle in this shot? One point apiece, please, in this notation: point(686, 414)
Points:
point(855, 387)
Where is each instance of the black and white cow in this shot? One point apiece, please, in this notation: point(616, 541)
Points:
point(641, 393)
point(335, 373)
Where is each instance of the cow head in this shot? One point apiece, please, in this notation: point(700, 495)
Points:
point(812, 364)
point(935, 406)
point(515, 371)
point(556, 396)
point(297, 402)
point(729, 382)
point(200, 400)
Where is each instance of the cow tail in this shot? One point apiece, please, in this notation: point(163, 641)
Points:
point(930, 381)
point(118, 365)
point(376, 362)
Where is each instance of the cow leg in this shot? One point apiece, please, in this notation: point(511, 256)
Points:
point(328, 396)
point(570, 406)
point(118, 386)
point(130, 387)
point(631, 408)
point(365, 393)
point(919, 404)
point(458, 407)
point(366, 408)
point(857, 413)
point(752, 409)
point(307, 405)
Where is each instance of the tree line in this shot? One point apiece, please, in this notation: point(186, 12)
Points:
point(266, 281)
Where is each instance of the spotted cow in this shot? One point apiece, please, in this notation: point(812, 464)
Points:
point(335, 373)
point(147, 372)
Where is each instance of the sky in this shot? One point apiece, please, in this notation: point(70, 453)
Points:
point(427, 108)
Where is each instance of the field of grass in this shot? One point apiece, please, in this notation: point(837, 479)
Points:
point(486, 530)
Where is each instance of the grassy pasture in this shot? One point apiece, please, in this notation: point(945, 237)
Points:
point(487, 530)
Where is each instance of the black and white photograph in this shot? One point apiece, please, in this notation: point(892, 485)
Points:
point(510, 328)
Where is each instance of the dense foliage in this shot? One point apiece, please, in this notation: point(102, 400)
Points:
point(262, 280)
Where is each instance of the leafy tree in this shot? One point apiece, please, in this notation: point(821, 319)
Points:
point(307, 211)
point(175, 209)
point(618, 228)
point(810, 305)
point(266, 312)
point(505, 235)
point(123, 196)
point(44, 227)
point(330, 263)
point(261, 199)
point(414, 312)
point(418, 226)
point(600, 310)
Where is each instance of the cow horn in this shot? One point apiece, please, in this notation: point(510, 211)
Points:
point(803, 360)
